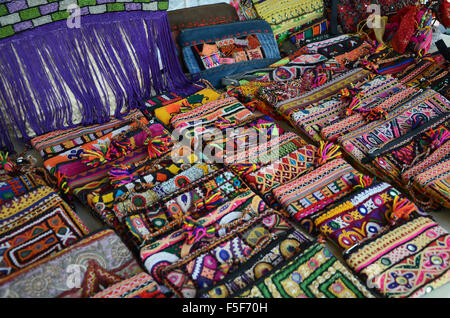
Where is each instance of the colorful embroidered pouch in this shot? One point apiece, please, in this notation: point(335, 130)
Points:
point(215, 51)
point(245, 136)
point(423, 107)
point(294, 69)
point(283, 170)
point(100, 259)
point(202, 124)
point(410, 260)
point(280, 250)
point(254, 158)
point(288, 107)
point(195, 234)
point(35, 225)
point(98, 179)
point(313, 273)
point(134, 201)
point(405, 152)
point(209, 265)
point(376, 110)
point(312, 192)
point(195, 201)
point(364, 214)
point(112, 146)
point(59, 141)
point(366, 103)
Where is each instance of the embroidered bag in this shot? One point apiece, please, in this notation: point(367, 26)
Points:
point(213, 52)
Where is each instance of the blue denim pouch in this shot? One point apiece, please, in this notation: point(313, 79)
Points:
point(209, 34)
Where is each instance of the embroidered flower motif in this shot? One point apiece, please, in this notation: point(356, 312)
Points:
point(402, 280)
point(434, 260)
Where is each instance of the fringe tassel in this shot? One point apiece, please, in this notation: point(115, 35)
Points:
point(49, 72)
point(270, 129)
point(439, 138)
point(158, 146)
point(364, 182)
point(120, 175)
point(401, 209)
point(122, 146)
point(95, 157)
point(354, 95)
point(210, 202)
point(328, 151)
point(195, 231)
point(320, 79)
point(377, 113)
point(61, 182)
point(7, 164)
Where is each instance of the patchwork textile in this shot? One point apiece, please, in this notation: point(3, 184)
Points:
point(312, 273)
point(364, 214)
point(33, 226)
point(407, 261)
point(281, 250)
point(15, 187)
point(80, 270)
point(209, 265)
point(199, 233)
point(312, 192)
point(141, 285)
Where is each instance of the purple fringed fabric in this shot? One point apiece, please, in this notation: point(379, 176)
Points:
point(42, 68)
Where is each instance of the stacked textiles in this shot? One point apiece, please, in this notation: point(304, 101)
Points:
point(217, 199)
